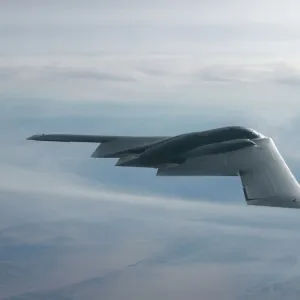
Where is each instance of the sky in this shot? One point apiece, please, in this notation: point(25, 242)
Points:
point(142, 68)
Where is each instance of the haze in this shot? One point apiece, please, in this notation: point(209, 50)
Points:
point(72, 227)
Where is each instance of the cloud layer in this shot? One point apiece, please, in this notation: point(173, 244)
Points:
point(72, 226)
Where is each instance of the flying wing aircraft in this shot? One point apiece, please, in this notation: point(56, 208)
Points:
point(227, 151)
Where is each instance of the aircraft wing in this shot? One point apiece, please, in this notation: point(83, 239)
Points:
point(230, 151)
point(265, 177)
point(110, 145)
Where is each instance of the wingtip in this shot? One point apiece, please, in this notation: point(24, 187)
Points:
point(34, 137)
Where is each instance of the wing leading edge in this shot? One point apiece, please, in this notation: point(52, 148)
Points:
point(111, 146)
point(86, 138)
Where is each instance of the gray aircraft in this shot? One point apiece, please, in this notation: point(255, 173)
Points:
point(226, 151)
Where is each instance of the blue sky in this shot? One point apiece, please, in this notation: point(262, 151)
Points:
point(141, 68)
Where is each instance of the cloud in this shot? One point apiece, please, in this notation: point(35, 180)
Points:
point(91, 74)
point(237, 253)
point(186, 85)
point(287, 76)
point(258, 73)
point(293, 81)
point(60, 73)
point(231, 74)
point(154, 71)
point(211, 30)
point(46, 183)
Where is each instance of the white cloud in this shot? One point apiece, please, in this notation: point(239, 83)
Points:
point(49, 181)
point(187, 239)
point(256, 89)
point(205, 54)
point(210, 29)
